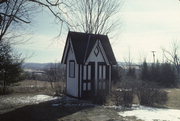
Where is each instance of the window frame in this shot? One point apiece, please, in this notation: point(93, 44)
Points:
point(72, 71)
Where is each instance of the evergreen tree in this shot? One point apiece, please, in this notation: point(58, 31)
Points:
point(168, 77)
point(116, 74)
point(154, 73)
point(145, 71)
point(131, 72)
point(10, 67)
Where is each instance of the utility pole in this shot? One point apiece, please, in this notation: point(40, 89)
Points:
point(153, 52)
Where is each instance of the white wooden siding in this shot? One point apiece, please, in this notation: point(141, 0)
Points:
point(72, 83)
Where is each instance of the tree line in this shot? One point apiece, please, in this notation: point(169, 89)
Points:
point(164, 74)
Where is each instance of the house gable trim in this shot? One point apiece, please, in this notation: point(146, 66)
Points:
point(68, 48)
point(103, 52)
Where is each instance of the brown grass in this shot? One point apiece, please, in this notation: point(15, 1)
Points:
point(34, 86)
point(173, 98)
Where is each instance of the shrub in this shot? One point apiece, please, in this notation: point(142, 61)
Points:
point(100, 99)
point(152, 96)
point(123, 97)
point(116, 74)
point(131, 72)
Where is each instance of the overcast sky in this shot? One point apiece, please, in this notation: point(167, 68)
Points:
point(146, 25)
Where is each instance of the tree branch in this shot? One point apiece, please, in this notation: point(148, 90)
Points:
point(13, 16)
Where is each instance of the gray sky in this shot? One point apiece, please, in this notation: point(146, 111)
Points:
point(146, 25)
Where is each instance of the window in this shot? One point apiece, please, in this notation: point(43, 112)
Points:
point(100, 71)
point(89, 72)
point(89, 86)
point(104, 72)
point(71, 69)
point(84, 86)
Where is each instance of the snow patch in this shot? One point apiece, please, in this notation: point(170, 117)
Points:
point(28, 99)
point(151, 114)
point(74, 105)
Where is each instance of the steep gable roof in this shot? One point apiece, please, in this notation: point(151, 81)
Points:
point(83, 44)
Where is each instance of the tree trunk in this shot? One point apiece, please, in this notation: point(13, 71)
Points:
point(0, 38)
point(4, 87)
point(4, 83)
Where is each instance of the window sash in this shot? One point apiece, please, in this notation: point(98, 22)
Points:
point(71, 69)
point(104, 72)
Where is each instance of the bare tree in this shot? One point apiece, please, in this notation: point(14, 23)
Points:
point(14, 13)
point(129, 60)
point(172, 56)
point(92, 16)
point(131, 71)
point(81, 15)
point(56, 74)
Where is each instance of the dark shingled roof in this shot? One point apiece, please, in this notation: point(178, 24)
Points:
point(83, 44)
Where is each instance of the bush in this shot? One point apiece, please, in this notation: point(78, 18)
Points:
point(148, 93)
point(131, 72)
point(100, 99)
point(152, 97)
point(123, 97)
point(116, 74)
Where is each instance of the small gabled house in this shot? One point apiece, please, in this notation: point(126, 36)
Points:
point(89, 59)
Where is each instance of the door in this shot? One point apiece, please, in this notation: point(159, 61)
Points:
point(88, 80)
point(102, 78)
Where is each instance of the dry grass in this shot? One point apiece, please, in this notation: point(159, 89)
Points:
point(34, 86)
point(173, 98)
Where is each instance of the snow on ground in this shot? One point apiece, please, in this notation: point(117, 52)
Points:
point(33, 99)
point(151, 114)
point(72, 102)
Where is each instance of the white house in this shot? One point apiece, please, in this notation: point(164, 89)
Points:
point(88, 59)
